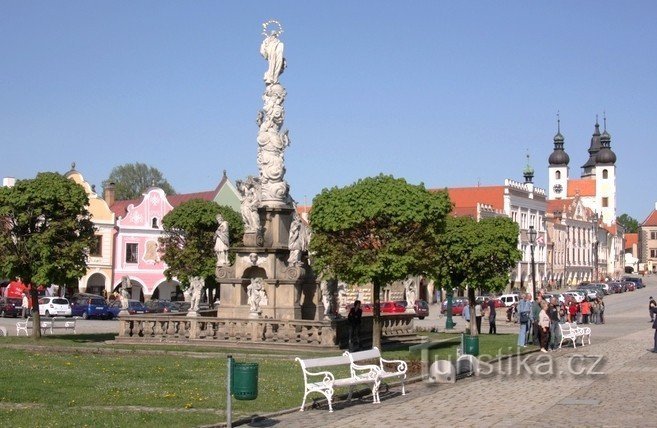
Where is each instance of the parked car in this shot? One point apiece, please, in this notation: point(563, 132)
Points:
point(89, 306)
point(635, 279)
point(134, 307)
point(181, 306)
point(591, 293)
point(457, 306)
point(615, 287)
point(631, 286)
point(421, 309)
point(398, 307)
point(560, 298)
point(578, 297)
point(162, 306)
point(510, 299)
point(10, 307)
point(498, 302)
point(54, 306)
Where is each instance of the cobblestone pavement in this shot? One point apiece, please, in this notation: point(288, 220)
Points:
point(609, 383)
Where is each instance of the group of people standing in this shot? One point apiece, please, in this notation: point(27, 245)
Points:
point(539, 319)
point(539, 322)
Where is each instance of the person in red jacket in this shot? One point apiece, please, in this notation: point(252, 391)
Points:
point(586, 310)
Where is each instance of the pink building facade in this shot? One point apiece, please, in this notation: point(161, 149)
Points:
point(136, 255)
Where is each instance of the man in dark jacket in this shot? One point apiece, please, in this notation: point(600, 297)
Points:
point(354, 319)
point(491, 316)
point(654, 326)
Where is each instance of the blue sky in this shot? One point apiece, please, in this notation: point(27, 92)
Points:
point(444, 93)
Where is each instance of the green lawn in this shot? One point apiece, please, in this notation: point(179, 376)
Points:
point(79, 380)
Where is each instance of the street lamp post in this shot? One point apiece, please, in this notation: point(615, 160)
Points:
point(532, 241)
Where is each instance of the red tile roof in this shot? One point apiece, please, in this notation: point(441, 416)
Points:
point(651, 220)
point(468, 197)
point(630, 240)
point(176, 200)
point(464, 212)
point(582, 186)
point(120, 208)
point(557, 205)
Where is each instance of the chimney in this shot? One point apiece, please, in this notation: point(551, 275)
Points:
point(8, 182)
point(109, 194)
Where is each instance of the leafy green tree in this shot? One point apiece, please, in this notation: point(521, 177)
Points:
point(46, 232)
point(377, 230)
point(188, 243)
point(477, 254)
point(631, 225)
point(132, 179)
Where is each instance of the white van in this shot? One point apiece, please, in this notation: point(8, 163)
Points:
point(509, 299)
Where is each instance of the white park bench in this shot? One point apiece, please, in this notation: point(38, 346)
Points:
point(399, 370)
point(324, 381)
point(572, 332)
point(47, 325)
point(582, 332)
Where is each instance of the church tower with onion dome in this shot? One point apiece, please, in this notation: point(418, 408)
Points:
point(558, 170)
point(605, 178)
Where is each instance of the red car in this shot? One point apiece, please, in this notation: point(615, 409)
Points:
point(386, 307)
point(457, 306)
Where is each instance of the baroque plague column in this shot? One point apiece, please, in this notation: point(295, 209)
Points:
point(270, 277)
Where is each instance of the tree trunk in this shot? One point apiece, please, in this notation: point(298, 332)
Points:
point(376, 315)
point(473, 318)
point(36, 320)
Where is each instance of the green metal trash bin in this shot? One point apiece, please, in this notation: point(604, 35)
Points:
point(244, 381)
point(471, 345)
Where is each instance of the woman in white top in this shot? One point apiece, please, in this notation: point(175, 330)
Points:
point(544, 326)
point(478, 316)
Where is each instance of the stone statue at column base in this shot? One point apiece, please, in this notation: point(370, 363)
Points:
point(124, 295)
point(196, 285)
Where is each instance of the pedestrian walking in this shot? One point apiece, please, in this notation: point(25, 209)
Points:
point(524, 319)
point(492, 316)
point(601, 314)
point(652, 306)
point(479, 314)
point(654, 326)
point(354, 319)
point(25, 310)
point(553, 314)
point(536, 309)
point(544, 326)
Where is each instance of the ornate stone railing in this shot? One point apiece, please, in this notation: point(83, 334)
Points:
point(260, 332)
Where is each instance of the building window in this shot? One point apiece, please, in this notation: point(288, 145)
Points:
point(131, 251)
point(523, 220)
point(605, 202)
point(653, 234)
point(96, 249)
point(605, 174)
point(653, 253)
point(154, 223)
point(557, 175)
